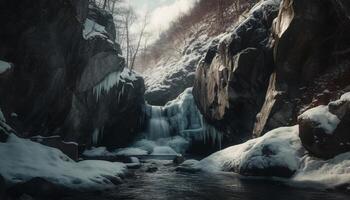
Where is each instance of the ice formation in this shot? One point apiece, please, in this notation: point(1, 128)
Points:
point(113, 79)
point(181, 117)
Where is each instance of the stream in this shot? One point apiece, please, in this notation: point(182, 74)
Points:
point(168, 184)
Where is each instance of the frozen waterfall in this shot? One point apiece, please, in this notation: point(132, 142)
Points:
point(181, 117)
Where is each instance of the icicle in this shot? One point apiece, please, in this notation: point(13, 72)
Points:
point(95, 136)
point(108, 83)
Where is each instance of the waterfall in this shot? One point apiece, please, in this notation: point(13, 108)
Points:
point(181, 117)
point(158, 126)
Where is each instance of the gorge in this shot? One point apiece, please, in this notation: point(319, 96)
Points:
point(254, 107)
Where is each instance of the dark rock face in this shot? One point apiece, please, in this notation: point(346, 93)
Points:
point(312, 65)
point(325, 143)
point(58, 67)
point(231, 81)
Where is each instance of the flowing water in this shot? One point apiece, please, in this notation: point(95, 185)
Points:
point(168, 184)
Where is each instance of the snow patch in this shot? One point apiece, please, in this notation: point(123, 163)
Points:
point(4, 66)
point(321, 115)
point(131, 152)
point(22, 160)
point(163, 150)
point(93, 29)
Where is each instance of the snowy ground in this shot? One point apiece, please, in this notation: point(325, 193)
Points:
point(22, 160)
point(284, 150)
point(163, 146)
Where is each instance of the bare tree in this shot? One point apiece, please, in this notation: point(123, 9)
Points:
point(141, 36)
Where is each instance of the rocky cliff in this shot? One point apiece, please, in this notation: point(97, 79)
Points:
point(67, 76)
point(285, 58)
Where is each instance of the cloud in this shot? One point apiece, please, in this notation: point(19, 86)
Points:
point(163, 14)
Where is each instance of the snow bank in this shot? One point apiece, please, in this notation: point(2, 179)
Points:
point(102, 151)
point(22, 160)
point(322, 117)
point(285, 150)
point(282, 146)
point(93, 29)
point(4, 66)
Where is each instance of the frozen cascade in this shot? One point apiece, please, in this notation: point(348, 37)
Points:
point(181, 117)
point(158, 126)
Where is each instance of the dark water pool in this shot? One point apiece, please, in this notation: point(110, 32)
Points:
point(168, 184)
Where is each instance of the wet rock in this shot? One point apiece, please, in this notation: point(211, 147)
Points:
point(151, 169)
point(178, 160)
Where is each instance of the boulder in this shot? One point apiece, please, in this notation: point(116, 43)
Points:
point(324, 130)
point(232, 79)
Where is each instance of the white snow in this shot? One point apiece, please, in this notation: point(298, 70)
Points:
point(288, 152)
point(22, 160)
point(324, 119)
point(93, 29)
point(284, 141)
point(96, 151)
point(131, 152)
point(4, 66)
point(163, 150)
point(323, 173)
point(345, 97)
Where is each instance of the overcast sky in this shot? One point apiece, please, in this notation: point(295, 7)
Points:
point(162, 12)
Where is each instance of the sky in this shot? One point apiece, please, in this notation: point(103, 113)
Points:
point(161, 13)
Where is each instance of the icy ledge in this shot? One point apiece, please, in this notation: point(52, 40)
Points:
point(279, 153)
point(22, 160)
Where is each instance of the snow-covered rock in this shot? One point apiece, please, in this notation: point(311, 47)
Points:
point(4, 66)
point(277, 153)
point(22, 160)
point(324, 130)
point(322, 118)
point(173, 74)
point(93, 29)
